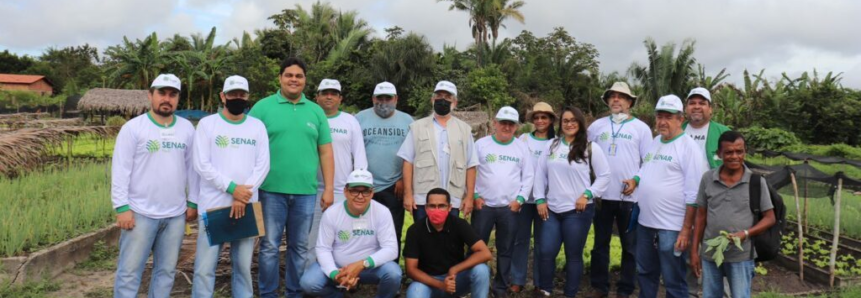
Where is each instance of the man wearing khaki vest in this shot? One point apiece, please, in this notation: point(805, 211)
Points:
point(439, 152)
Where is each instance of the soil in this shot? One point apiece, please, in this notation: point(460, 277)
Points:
point(99, 283)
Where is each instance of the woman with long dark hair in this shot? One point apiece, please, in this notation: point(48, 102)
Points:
point(570, 172)
point(542, 118)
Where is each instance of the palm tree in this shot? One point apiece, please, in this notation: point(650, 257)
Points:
point(189, 63)
point(404, 59)
point(215, 58)
point(666, 72)
point(502, 11)
point(137, 63)
point(480, 12)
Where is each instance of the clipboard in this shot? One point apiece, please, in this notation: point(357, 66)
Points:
point(221, 228)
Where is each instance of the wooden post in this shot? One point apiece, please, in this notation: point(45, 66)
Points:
point(805, 203)
point(800, 230)
point(836, 239)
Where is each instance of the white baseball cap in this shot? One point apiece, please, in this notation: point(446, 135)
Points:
point(166, 80)
point(670, 103)
point(701, 92)
point(235, 83)
point(329, 84)
point(385, 88)
point(360, 177)
point(447, 87)
point(508, 114)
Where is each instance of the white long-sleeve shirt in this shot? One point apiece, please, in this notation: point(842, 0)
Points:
point(505, 171)
point(151, 168)
point(632, 139)
point(348, 146)
point(536, 146)
point(229, 153)
point(561, 183)
point(668, 181)
point(346, 238)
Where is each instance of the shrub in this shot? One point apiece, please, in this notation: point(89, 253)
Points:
point(758, 138)
point(116, 121)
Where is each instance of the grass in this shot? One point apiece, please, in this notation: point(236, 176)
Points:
point(39, 289)
point(87, 146)
point(49, 206)
point(103, 257)
point(849, 292)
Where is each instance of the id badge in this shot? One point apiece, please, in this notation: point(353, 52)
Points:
point(612, 150)
point(167, 133)
point(360, 224)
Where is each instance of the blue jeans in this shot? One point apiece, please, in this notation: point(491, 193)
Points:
point(739, 275)
point(420, 213)
point(655, 258)
point(162, 238)
point(570, 228)
point(387, 278)
point(526, 219)
point(315, 226)
point(293, 213)
point(206, 261)
point(475, 281)
point(610, 213)
point(505, 221)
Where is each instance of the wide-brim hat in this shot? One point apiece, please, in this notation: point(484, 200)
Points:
point(620, 87)
point(540, 107)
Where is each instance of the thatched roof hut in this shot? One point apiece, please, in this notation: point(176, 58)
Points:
point(101, 100)
point(478, 120)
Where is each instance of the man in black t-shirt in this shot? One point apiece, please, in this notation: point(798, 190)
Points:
point(435, 254)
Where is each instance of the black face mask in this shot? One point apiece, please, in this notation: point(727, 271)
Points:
point(441, 107)
point(236, 106)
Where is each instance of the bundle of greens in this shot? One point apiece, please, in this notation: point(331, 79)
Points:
point(720, 244)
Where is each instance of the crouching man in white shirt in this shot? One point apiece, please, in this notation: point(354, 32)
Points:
point(356, 244)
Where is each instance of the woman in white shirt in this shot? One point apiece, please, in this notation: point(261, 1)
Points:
point(564, 189)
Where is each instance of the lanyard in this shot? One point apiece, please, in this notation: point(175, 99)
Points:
point(614, 132)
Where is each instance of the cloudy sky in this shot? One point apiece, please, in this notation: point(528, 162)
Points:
point(780, 36)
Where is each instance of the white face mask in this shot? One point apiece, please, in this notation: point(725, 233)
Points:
point(618, 118)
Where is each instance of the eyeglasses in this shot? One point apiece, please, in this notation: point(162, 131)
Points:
point(569, 121)
point(357, 192)
point(540, 117)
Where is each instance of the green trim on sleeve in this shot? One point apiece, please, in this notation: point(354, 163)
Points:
point(540, 201)
point(588, 194)
point(191, 205)
point(475, 196)
point(371, 262)
point(520, 200)
point(231, 188)
point(333, 274)
point(637, 179)
point(123, 208)
point(692, 205)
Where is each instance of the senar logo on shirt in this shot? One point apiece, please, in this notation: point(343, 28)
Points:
point(152, 146)
point(344, 236)
point(648, 157)
point(221, 141)
point(342, 131)
point(492, 158)
point(224, 141)
point(604, 136)
point(657, 157)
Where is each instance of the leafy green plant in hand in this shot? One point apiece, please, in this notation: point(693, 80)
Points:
point(720, 244)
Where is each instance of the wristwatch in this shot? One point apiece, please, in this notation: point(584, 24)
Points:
point(366, 264)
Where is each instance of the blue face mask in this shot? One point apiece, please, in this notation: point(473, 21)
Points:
point(384, 110)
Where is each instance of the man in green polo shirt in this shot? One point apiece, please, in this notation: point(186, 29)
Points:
point(299, 145)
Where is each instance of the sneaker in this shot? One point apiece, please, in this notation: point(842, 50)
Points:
point(541, 293)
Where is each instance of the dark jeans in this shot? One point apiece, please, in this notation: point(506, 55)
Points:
point(505, 222)
point(570, 228)
point(618, 213)
point(388, 198)
point(656, 259)
point(526, 220)
point(420, 214)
